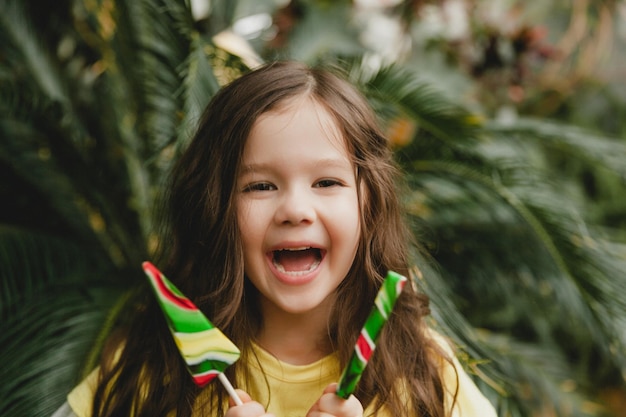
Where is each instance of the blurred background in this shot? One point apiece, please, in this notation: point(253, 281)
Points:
point(507, 117)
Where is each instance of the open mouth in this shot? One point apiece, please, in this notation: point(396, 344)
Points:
point(297, 261)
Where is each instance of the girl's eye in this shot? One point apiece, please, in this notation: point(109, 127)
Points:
point(259, 186)
point(327, 183)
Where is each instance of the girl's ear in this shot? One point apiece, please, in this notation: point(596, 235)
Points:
point(363, 194)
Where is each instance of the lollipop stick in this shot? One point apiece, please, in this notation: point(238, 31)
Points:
point(229, 388)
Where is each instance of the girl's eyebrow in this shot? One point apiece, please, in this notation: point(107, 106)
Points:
point(251, 168)
point(334, 163)
point(339, 163)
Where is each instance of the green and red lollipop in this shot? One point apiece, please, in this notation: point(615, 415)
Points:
point(366, 343)
point(205, 349)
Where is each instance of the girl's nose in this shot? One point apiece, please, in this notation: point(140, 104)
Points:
point(295, 207)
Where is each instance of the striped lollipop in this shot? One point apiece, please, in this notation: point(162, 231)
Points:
point(366, 343)
point(205, 349)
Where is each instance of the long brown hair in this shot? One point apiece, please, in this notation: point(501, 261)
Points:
point(202, 255)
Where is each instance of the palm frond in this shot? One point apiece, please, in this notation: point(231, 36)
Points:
point(19, 31)
point(222, 16)
point(46, 342)
point(307, 43)
point(580, 144)
point(56, 259)
point(537, 377)
point(518, 377)
point(165, 44)
point(506, 234)
point(72, 187)
point(199, 85)
point(395, 90)
point(54, 297)
point(484, 244)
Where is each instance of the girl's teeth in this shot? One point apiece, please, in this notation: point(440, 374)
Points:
point(281, 269)
point(296, 261)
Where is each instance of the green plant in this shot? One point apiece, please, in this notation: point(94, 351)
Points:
point(97, 98)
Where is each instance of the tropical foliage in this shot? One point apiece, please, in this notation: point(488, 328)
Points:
point(523, 262)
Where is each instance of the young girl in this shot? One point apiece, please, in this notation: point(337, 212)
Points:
point(283, 221)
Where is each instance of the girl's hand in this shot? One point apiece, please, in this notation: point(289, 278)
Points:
point(249, 408)
point(330, 404)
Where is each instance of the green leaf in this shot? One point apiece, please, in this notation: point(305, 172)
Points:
point(54, 298)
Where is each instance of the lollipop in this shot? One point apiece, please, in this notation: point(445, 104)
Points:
point(366, 343)
point(205, 349)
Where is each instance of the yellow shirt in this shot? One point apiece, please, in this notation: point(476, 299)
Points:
point(294, 388)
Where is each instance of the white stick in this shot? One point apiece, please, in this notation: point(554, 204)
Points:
point(229, 388)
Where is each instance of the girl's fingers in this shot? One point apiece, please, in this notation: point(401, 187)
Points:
point(249, 408)
point(242, 395)
point(330, 404)
point(331, 388)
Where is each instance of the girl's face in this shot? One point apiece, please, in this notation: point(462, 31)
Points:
point(297, 208)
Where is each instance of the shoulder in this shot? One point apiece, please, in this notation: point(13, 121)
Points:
point(469, 401)
point(64, 411)
point(80, 399)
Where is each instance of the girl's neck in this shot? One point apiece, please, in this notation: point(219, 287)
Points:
point(297, 339)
